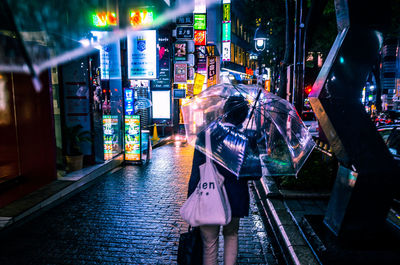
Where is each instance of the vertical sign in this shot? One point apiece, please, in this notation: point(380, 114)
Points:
point(211, 71)
point(142, 55)
point(226, 31)
point(129, 102)
point(180, 73)
point(132, 138)
point(164, 57)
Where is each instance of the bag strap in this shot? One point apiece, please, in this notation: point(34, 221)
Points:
point(208, 146)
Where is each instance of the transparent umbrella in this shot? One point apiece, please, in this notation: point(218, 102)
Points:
point(282, 141)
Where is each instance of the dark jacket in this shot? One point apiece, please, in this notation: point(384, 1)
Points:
point(237, 190)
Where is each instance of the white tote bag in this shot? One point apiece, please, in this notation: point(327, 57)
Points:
point(208, 204)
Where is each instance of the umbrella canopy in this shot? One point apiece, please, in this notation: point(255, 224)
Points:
point(272, 132)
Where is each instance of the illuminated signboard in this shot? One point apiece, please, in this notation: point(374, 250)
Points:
point(184, 32)
point(110, 130)
point(226, 31)
point(142, 54)
point(200, 22)
point(129, 101)
point(200, 6)
point(226, 15)
point(226, 51)
point(132, 138)
point(104, 19)
point(141, 18)
point(161, 104)
point(199, 37)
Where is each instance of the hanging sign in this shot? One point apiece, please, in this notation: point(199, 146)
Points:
point(184, 33)
point(200, 22)
point(180, 73)
point(142, 55)
point(132, 138)
point(199, 37)
point(185, 19)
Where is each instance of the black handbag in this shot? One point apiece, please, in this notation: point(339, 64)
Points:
point(190, 249)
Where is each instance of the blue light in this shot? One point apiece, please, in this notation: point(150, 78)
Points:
point(341, 59)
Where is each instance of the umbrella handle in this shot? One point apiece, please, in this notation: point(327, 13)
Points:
point(253, 108)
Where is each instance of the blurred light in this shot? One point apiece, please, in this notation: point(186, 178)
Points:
point(85, 42)
point(341, 59)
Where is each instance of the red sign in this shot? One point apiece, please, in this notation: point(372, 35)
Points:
point(199, 37)
point(249, 71)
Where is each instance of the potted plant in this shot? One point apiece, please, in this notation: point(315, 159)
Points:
point(74, 136)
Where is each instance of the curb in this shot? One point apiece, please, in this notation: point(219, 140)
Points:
point(291, 241)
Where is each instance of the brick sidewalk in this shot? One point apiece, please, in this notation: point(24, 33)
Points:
point(129, 216)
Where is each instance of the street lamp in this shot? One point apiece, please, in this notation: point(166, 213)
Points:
point(260, 41)
point(260, 38)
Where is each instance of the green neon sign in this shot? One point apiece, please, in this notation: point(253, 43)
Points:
point(226, 31)
point(200, 22)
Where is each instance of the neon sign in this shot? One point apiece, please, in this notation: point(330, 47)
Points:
point(104, 19)
point(141, 18)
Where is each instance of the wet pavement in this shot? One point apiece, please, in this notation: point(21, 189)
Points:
point(129, 216)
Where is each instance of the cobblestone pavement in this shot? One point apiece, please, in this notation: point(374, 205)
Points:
point(129, 216)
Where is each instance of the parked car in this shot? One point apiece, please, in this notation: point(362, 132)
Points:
point(311, 122)
point(391, 137)
point(388, 117)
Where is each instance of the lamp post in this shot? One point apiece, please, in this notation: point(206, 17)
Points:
point(260, 42)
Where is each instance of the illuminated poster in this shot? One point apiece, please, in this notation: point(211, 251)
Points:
point(180, 51)
point(132, 138)
point(200, 22)
point(180, 73)
point(110, 137)
point(199, 37)
point(164, 76)
point(161, 107)
point(142, 55)
point(110, 57)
